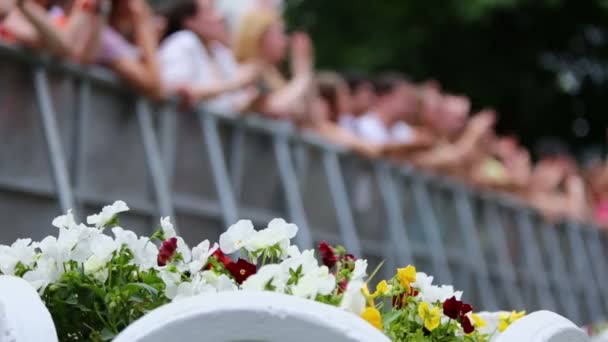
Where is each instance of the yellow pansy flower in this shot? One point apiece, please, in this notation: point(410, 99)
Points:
point(369, 297)
point(478, 322)
point(372, 315)
point(505, 320)
point(517, 315)
point(406, 276)
point(381, 288)
point(430, 317)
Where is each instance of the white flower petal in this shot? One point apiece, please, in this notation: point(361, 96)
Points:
point(236, 236)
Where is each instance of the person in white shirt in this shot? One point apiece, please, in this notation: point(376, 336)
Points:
point(386, 123)
point(195, 64)
point(362, 99)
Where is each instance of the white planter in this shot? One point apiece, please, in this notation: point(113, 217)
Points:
point(23, 316)
point(250, 316)
point(543, 326)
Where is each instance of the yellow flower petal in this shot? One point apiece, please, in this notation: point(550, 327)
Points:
point(423, 310)
point(516, 315)
point(478, 322)
point(365, 290)
point(406, 276)
point(372, 315)
point(381, 288)
point(432, 324)
point(503, 325)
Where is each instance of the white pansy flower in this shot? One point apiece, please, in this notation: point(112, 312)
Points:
point(200, 255)
point(236, 236)
point(184, 290)
point(145, 253)
point(492, 319)
point(360, 270)
point(21, 251)
point(220, 282)
point(124, 237)
point(305, 259)
point(184, 250)
point(433, 294)
point(45, 273)
point(65, 221)
point(107, 214)
point(269, 275)
point(278, 232)
point(172, 281)
point(422, 281)
point(204, 282)
point(353, 300)
point(167, 227)
point(316, 282)
point(95, 266)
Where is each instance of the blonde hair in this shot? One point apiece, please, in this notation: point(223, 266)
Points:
point(249, 32)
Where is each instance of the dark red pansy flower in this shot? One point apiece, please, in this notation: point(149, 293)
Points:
point(349, 257)
point(342, 285)
point(241, 270)
point(465, 309)
point(328, 254)
point(398, 301)
point(166, 251)
point(451, 308)
point(221, 257)
point(466, 325)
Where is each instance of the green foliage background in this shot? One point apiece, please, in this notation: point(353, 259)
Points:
point(505, 54)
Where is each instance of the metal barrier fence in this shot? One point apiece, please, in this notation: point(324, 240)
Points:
point(74, 137)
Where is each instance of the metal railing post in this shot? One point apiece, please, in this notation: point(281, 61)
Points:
point(291, 189)
point(236, 159)
point(401, 247)
point(567, 295)
point(472, 245)
point(432, 233)
point(506, 271)
point(52, 136)
point(168, 139)
point(582, 270)
point(339, 196)
point(80, 144)
point(212, 142)
point(599, 264)
point(154, 160)
point(535, 269)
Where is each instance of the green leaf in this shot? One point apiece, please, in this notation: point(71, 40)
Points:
point(107, 335)
point(390, 317)
point(142, 286)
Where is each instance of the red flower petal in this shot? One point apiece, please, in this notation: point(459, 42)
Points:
point(465, 309)
point(241, 270)
point(328, 254)
point(466, 325)
point(451, 308)
point(166, 251)
point(221, 257)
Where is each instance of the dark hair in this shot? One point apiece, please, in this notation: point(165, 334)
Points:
point(177, 13)
point(387, 82)
point(354, 80)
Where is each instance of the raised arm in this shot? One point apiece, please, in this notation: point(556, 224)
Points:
point(144, 72)
point(292, 97)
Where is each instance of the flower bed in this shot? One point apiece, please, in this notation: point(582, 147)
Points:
point(96, 285)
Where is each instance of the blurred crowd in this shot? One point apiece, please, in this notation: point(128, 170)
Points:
point(188, 49)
